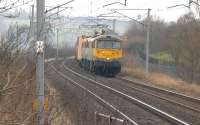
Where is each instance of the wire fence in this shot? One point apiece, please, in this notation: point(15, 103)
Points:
point(102, 119)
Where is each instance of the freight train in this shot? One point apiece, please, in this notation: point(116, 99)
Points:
point(100, 54)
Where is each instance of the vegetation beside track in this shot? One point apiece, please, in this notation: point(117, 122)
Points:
point(130, 67)
point(163, 58)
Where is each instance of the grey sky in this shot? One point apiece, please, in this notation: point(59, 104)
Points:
point(159, 7)
point(84, 7)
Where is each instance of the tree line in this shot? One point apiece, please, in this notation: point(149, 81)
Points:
point(180, 39)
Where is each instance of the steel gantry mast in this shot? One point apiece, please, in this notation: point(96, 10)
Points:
point(40, 61)
point(147, 43)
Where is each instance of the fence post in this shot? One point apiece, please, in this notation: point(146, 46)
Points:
point(109, 120)
point(95, 117)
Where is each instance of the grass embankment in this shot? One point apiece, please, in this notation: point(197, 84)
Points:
point(162, 80)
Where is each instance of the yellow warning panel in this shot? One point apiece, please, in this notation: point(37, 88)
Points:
point(45, 104)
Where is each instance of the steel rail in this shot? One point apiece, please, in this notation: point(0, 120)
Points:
point(157, 96)
point(183, 96)
point(166, 99)
point(96, 96)
point(156, 111)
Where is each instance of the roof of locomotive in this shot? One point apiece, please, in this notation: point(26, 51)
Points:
point(90, 39)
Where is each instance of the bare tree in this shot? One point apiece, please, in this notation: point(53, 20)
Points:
point(185, 46)
point(12, 45)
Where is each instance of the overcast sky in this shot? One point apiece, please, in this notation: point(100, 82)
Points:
point(159, 7)
point(95, 7)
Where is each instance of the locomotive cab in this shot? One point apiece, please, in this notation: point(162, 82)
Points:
point(107, 53)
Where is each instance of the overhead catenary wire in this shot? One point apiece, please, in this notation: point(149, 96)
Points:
point(124, 4)
point(59, 6)
point(106, 14)
point(11, 4)
point(129, 17)
point(59, 11)
point(15, 6)
point(111, 15)
point(113, 4)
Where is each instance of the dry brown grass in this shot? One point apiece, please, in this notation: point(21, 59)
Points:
point(175, 84)
point(131, 68)
point(164, 81)
point(136, 72)
point(56, 108)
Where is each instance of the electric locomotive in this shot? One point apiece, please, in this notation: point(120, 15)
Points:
point(100, 54)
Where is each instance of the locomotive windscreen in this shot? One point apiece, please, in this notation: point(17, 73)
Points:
point(108, 44)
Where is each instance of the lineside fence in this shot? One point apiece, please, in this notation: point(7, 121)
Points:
point(101, 119)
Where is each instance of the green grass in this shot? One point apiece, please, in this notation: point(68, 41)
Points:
point(163, 57)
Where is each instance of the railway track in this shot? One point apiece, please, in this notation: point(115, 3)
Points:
point(171, 95)
point(185, 101)
point(95, 95)
point(150, 108)
point(183, 96)
point(179, 105)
